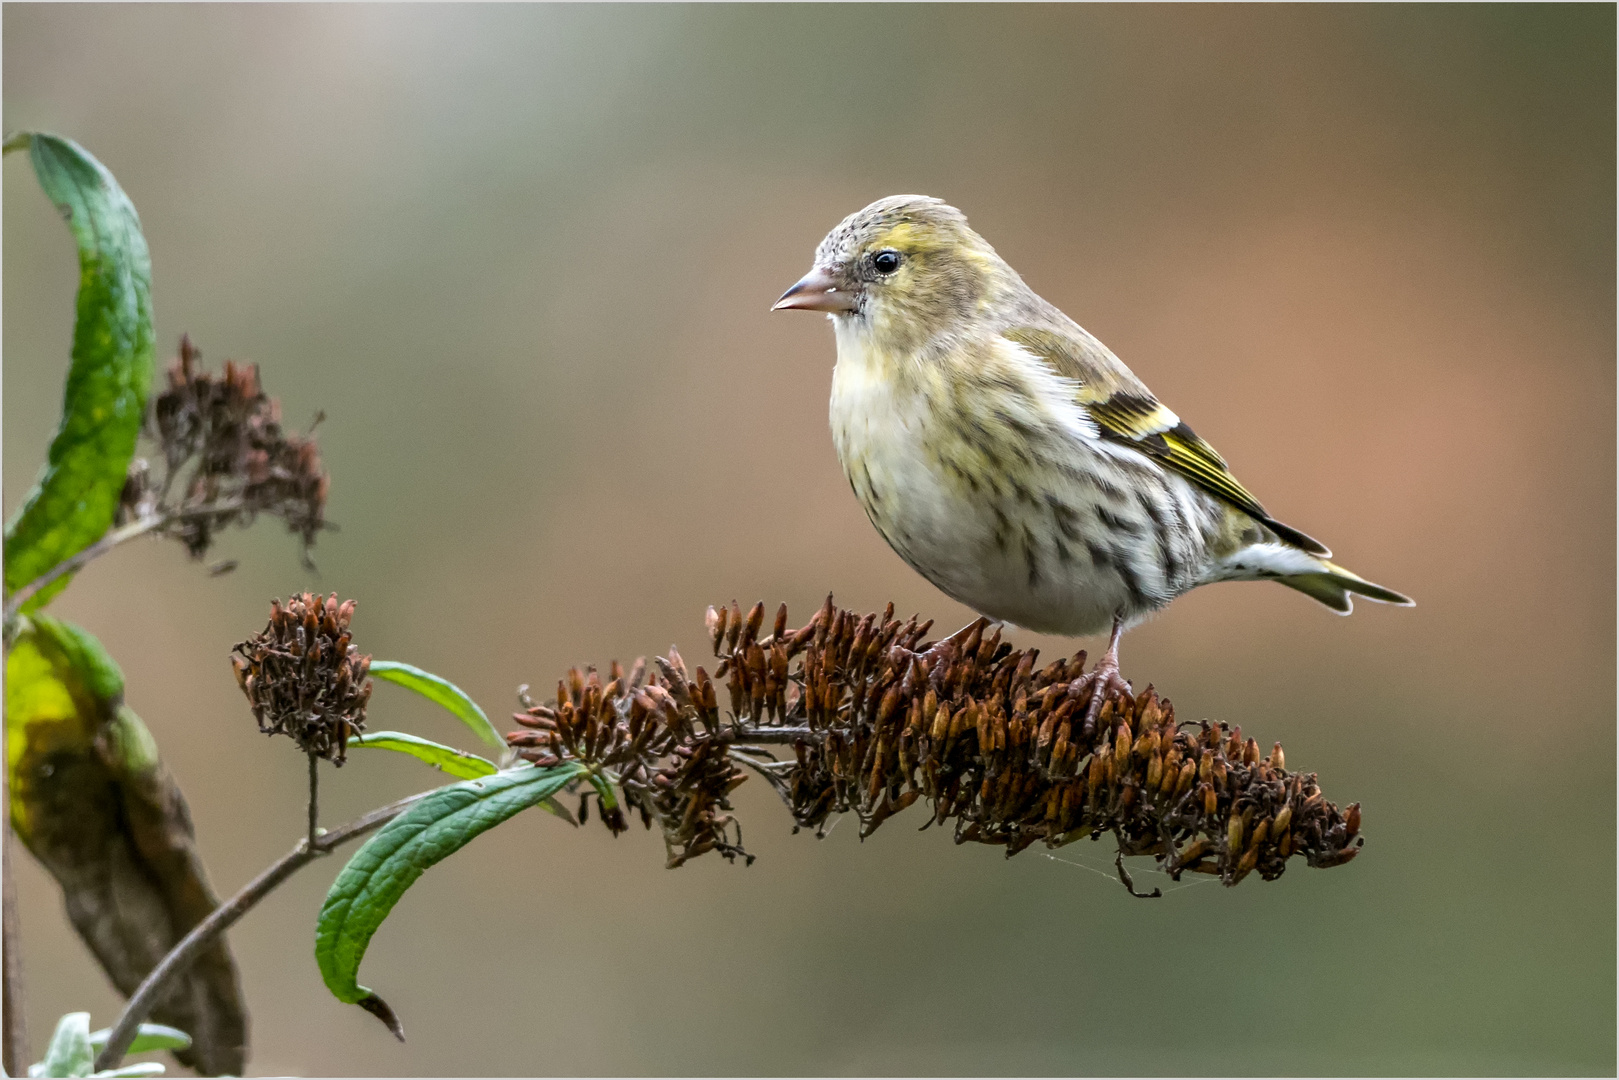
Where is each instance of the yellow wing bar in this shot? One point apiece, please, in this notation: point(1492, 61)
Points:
point(1156, 431)
point(1126, 411)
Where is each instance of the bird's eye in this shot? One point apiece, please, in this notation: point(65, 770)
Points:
point(886, 261)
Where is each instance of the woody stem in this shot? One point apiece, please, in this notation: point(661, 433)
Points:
point(202, 935)
point(314, 803)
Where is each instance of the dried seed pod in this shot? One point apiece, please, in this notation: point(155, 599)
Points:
point(1260, 834)
point(756, 618)
point(1188, 775)
point(715, 620)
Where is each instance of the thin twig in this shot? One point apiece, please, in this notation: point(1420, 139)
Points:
point(112, 539)
point(1124, 878)
point(202, 935)
point(77, 562)
point(314, 804)
point(757, 766)
point(780, 734)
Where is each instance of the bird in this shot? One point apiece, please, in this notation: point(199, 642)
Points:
point(1012, 459)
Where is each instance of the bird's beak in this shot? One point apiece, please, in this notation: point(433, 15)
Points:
point(818, 291)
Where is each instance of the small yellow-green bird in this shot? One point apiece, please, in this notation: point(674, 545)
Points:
point(1011, 458)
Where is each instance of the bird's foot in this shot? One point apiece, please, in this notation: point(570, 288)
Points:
point(1103, 680)
point(1104, 683)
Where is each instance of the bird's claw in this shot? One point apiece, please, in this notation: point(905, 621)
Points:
point(1104, 682)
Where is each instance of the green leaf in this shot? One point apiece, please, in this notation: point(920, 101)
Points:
point(441, 692)
point(447, 758)
point(69, 1053)
point(391, 861)
point(148, 1037)
point(73, 503)
point(604, 792)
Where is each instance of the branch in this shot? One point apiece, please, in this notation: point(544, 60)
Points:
point(202, 935)
point(77, 562)
point(780, 735)
point(314, 805)
point(112, 539)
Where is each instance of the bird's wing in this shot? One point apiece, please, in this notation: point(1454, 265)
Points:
point(1126, 412)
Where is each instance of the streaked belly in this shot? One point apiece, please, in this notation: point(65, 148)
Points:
point(1014, 517)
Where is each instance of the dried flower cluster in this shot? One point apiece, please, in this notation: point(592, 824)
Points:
point(878, 719)
point(663, 739)
point(241, 461)
point(304, 677)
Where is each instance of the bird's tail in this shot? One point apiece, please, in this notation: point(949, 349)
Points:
point(1333, 584)
point(1311, 575)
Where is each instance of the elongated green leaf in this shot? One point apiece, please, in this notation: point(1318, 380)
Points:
point(148, 1037)
point(391, 861)
point(448, 758)
point(73, 502)
point(440, 692)
point(69, 1053)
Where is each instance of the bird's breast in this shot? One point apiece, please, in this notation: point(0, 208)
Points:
point(978, 474)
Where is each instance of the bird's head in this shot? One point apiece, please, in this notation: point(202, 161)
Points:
point(906, 270)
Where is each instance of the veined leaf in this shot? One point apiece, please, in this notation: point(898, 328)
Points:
point(76, 496)
point(447, 758)
point(440, 692)
point(391, 861)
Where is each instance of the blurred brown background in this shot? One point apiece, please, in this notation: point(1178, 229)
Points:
point(522, 257)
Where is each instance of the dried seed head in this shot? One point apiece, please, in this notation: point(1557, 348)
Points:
point(878, 719)
point(303, 676)
point(225, 433)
